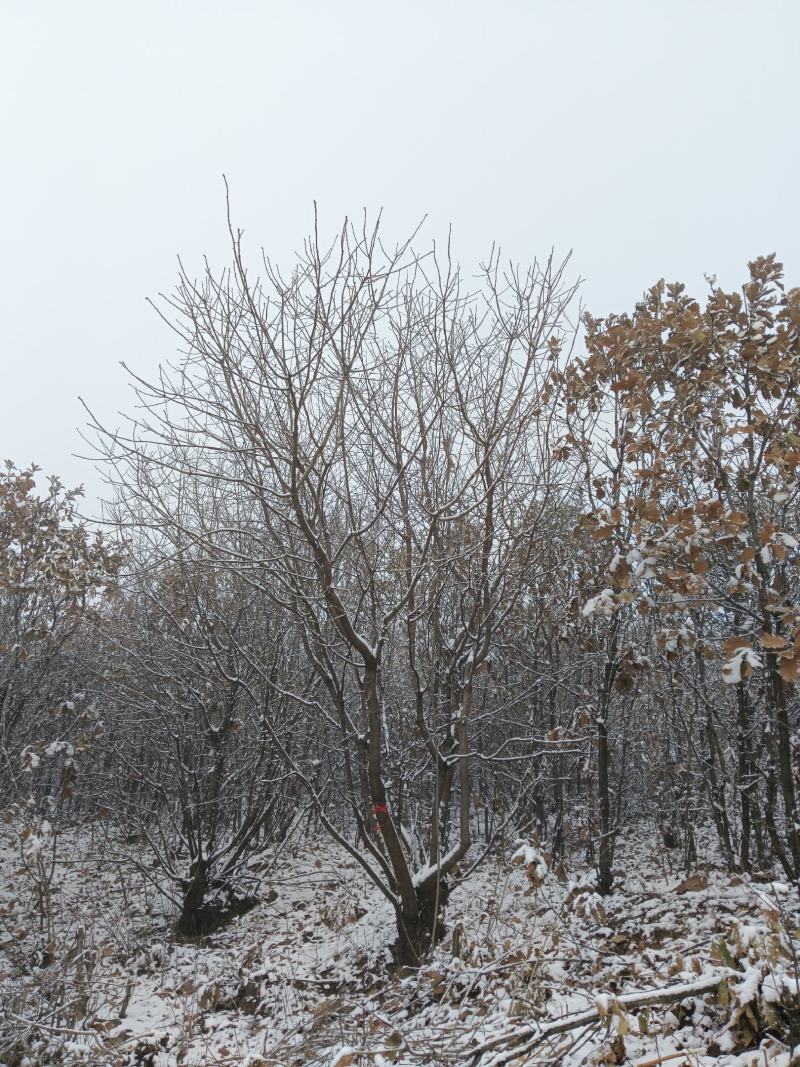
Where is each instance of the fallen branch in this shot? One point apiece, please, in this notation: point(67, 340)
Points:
point(658, 1060)
point(68, 1031)
point(526, 1038)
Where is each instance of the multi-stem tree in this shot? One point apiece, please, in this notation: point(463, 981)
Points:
point(188, 729)
point(379, 441)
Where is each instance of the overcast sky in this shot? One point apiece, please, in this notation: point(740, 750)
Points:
point(651, 138)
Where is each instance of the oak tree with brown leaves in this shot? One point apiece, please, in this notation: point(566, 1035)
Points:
point(687, 419)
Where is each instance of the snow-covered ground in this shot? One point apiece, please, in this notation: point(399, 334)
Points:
point(546, 971)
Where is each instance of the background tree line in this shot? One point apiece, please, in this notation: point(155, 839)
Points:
point(418, 565)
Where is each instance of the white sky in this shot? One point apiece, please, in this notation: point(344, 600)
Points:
point(651, 138)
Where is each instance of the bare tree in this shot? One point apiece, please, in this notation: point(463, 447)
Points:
point(378, 441)
point(189, 760)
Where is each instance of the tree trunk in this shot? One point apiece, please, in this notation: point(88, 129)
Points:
point(420, 927)
point(606, 850)
point(606, 847)
point(745, 775)
point(194, 894)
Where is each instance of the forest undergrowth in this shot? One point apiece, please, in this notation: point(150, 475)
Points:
point(535, 966)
